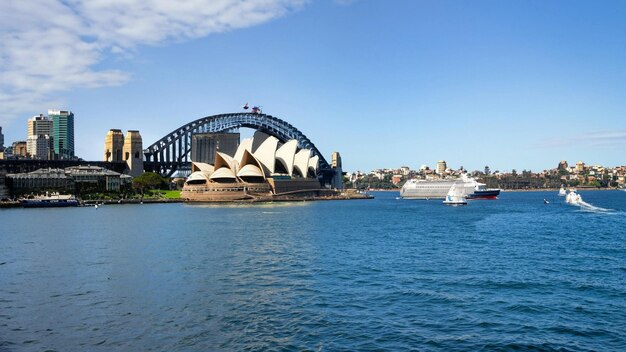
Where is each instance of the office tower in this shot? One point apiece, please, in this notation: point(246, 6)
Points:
point(204, 146)
point(63, 134)
point(1, 140)
point(114, 146)
point(133, 153)
point(40, 124)
point(39, 146)
point(39, 142)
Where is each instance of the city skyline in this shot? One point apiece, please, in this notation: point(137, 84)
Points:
point(513, 85)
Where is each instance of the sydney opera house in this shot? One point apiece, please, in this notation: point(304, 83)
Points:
point(262, 169)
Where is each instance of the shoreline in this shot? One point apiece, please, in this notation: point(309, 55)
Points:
point(557, 189)
point(524, 189)
point(94, 202)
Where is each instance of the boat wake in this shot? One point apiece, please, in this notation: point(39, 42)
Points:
point(584, 206)
point(592, 208)
point(573, 198)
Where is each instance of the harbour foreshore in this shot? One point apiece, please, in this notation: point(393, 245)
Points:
point(525, 189)
point(351, 195)
point(131, 201)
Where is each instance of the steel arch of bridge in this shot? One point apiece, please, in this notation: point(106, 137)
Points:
point(173, 152)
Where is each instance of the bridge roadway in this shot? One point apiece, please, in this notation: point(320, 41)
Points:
point(173, 152)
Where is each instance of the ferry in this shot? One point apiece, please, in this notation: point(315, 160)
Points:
point(482, 192)
point(52, 201)
point(438, 188)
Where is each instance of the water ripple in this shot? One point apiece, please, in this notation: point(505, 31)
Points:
point(508, 275)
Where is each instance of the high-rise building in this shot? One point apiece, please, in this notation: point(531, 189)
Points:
point(39, 143)
point(114, 146)
point(441, 167)
point(1, 140)
point(204, 146)
point(63, 134)
point(39, 146)
point(40, 124)
point(133, 153)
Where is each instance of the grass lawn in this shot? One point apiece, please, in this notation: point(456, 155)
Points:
point(165, 194)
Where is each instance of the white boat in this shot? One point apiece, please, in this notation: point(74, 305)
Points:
point(455, 196)
point(573, 198)
point(438, 188)
point(562, 192)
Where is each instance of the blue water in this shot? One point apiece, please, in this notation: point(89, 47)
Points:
point(386, 274)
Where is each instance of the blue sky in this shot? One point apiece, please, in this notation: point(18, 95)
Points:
point(509, 84)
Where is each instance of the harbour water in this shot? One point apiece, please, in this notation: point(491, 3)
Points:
point(386, 274)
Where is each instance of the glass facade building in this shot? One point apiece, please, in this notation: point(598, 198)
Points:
point(63, 135)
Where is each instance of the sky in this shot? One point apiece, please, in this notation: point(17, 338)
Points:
point(508, 84)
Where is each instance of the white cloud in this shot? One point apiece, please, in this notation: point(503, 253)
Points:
point(50, 46)
point(615, 138)
point(344, 2)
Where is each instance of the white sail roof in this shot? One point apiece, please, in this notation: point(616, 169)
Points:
point(313, 164)
point(250, 171)
point(258, 139)
point(301, 161)
point(204, 167)
point(259, 157)
point(266, 153)
point(286, 153)
point(225, 167)
point(250, 166)
point(246, 144)
point(223, 172)
point(198, 175)
point(225, 160)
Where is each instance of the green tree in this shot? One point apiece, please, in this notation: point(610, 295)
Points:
point(147, 181)
point(563, 172)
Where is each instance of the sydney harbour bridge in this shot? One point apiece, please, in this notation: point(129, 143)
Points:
point(172, 153)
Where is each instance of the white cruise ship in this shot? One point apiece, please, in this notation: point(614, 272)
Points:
point(438, 188)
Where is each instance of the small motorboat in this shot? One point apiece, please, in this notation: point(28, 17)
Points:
point(455, 196)
point(573, 198)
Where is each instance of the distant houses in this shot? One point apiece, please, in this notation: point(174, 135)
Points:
point(580, 175)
